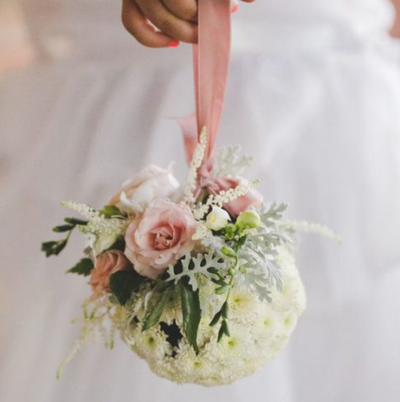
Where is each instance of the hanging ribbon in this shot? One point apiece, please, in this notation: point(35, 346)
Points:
point(210, 64)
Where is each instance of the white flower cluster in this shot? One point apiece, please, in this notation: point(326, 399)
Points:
point(97, 224)
point(258, 331)
point(223, 197)
point(314, 228)
point(197, 159)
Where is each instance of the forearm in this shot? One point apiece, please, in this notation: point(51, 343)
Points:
point(396, 26)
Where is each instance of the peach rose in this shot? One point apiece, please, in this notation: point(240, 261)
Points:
point(106, 264)
point(151, 183)
point(251, 199)
point(159, 237)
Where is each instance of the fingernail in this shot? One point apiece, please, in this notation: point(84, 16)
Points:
point(235, 8)
point(174, 44)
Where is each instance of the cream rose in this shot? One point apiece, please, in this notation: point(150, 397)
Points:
point(106, 264)
point(159, 237)
point(151, 183)
point(217, 219)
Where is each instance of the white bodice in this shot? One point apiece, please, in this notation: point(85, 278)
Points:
point(93, 27)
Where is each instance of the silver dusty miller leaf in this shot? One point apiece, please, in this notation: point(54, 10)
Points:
point(230, 161)
point(256, 282)
point(199, 265)
point(272, 213)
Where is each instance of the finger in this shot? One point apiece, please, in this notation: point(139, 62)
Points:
point(234, 6)
point(184, 9)
point(137, 25)
point(167, 22)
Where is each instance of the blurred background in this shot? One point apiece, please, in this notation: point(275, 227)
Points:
point(16, 49)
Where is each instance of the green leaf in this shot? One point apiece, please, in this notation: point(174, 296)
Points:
point(111, 211)
point(225, 310)
point(230, 231)
point(241, 241)
point(220, 334)
point(222, 289)
point(224, 330)
point(118, 245)
point(124, 283)
point(83, 267)
point(228, 252)
point(63, 228)
point(215, 320)
point(154, 313)
point(219, 282)
point(191, 311)
point(75, 222)
point(54, 247)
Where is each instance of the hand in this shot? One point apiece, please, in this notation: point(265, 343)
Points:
point(163, 23)
point(395, 31)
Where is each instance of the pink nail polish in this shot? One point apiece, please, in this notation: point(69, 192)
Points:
point(174, 44)
point(235, 8)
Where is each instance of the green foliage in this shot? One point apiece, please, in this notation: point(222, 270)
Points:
point(224, 330)
point(228, 252)
point(111, 211)
point(230, 231)
point(53, 247)
point(157, 306)
point(75, 222)
point(63, 228)
point(225, 310)
point(83, 267)
point(124, 283)
point(216, 319)
point(222, 289)
point(119, 245)
point(191, 312)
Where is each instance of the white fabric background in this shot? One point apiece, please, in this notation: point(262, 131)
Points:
point(314, 95)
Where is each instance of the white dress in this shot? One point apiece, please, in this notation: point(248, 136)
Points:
point(314, 95)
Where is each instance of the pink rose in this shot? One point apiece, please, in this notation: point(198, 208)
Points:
point(151, 183)
point(251, 199)
point(159, 237)
point(106, 264)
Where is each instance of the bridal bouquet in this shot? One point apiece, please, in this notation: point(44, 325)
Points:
point(200, 282)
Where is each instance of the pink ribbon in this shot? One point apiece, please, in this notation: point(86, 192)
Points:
point(210, 64)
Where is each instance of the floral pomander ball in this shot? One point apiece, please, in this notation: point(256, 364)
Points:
point(258, 332)
point(200, 282)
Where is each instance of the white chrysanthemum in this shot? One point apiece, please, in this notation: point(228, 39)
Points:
point(259, 330)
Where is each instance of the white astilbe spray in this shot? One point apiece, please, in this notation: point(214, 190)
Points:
point(97, 223)
point(229, 161)
point(314, 228)
point(82, 209)
point(99, 321)
point(197, 160)
point(202, 231)
point(223, 197)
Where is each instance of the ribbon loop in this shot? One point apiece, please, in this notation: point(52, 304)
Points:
point(211, 58)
